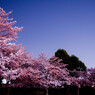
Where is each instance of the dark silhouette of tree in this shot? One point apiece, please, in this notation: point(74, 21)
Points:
point(62, 54)
point(72, 61)
point(77, 64)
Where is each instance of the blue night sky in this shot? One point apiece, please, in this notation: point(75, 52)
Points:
point(50, 25)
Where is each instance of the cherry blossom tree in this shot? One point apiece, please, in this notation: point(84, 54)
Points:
point(8, 51)
point(84, 78)
point(18, 69)
point(41, 73)
point(91, 76)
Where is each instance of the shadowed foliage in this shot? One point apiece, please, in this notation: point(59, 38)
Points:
point(72, 61)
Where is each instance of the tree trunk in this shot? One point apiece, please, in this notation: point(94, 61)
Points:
point(68, 91)
point(78, 91)
point(47, 91)
point(9, 91)
point(93, 91)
